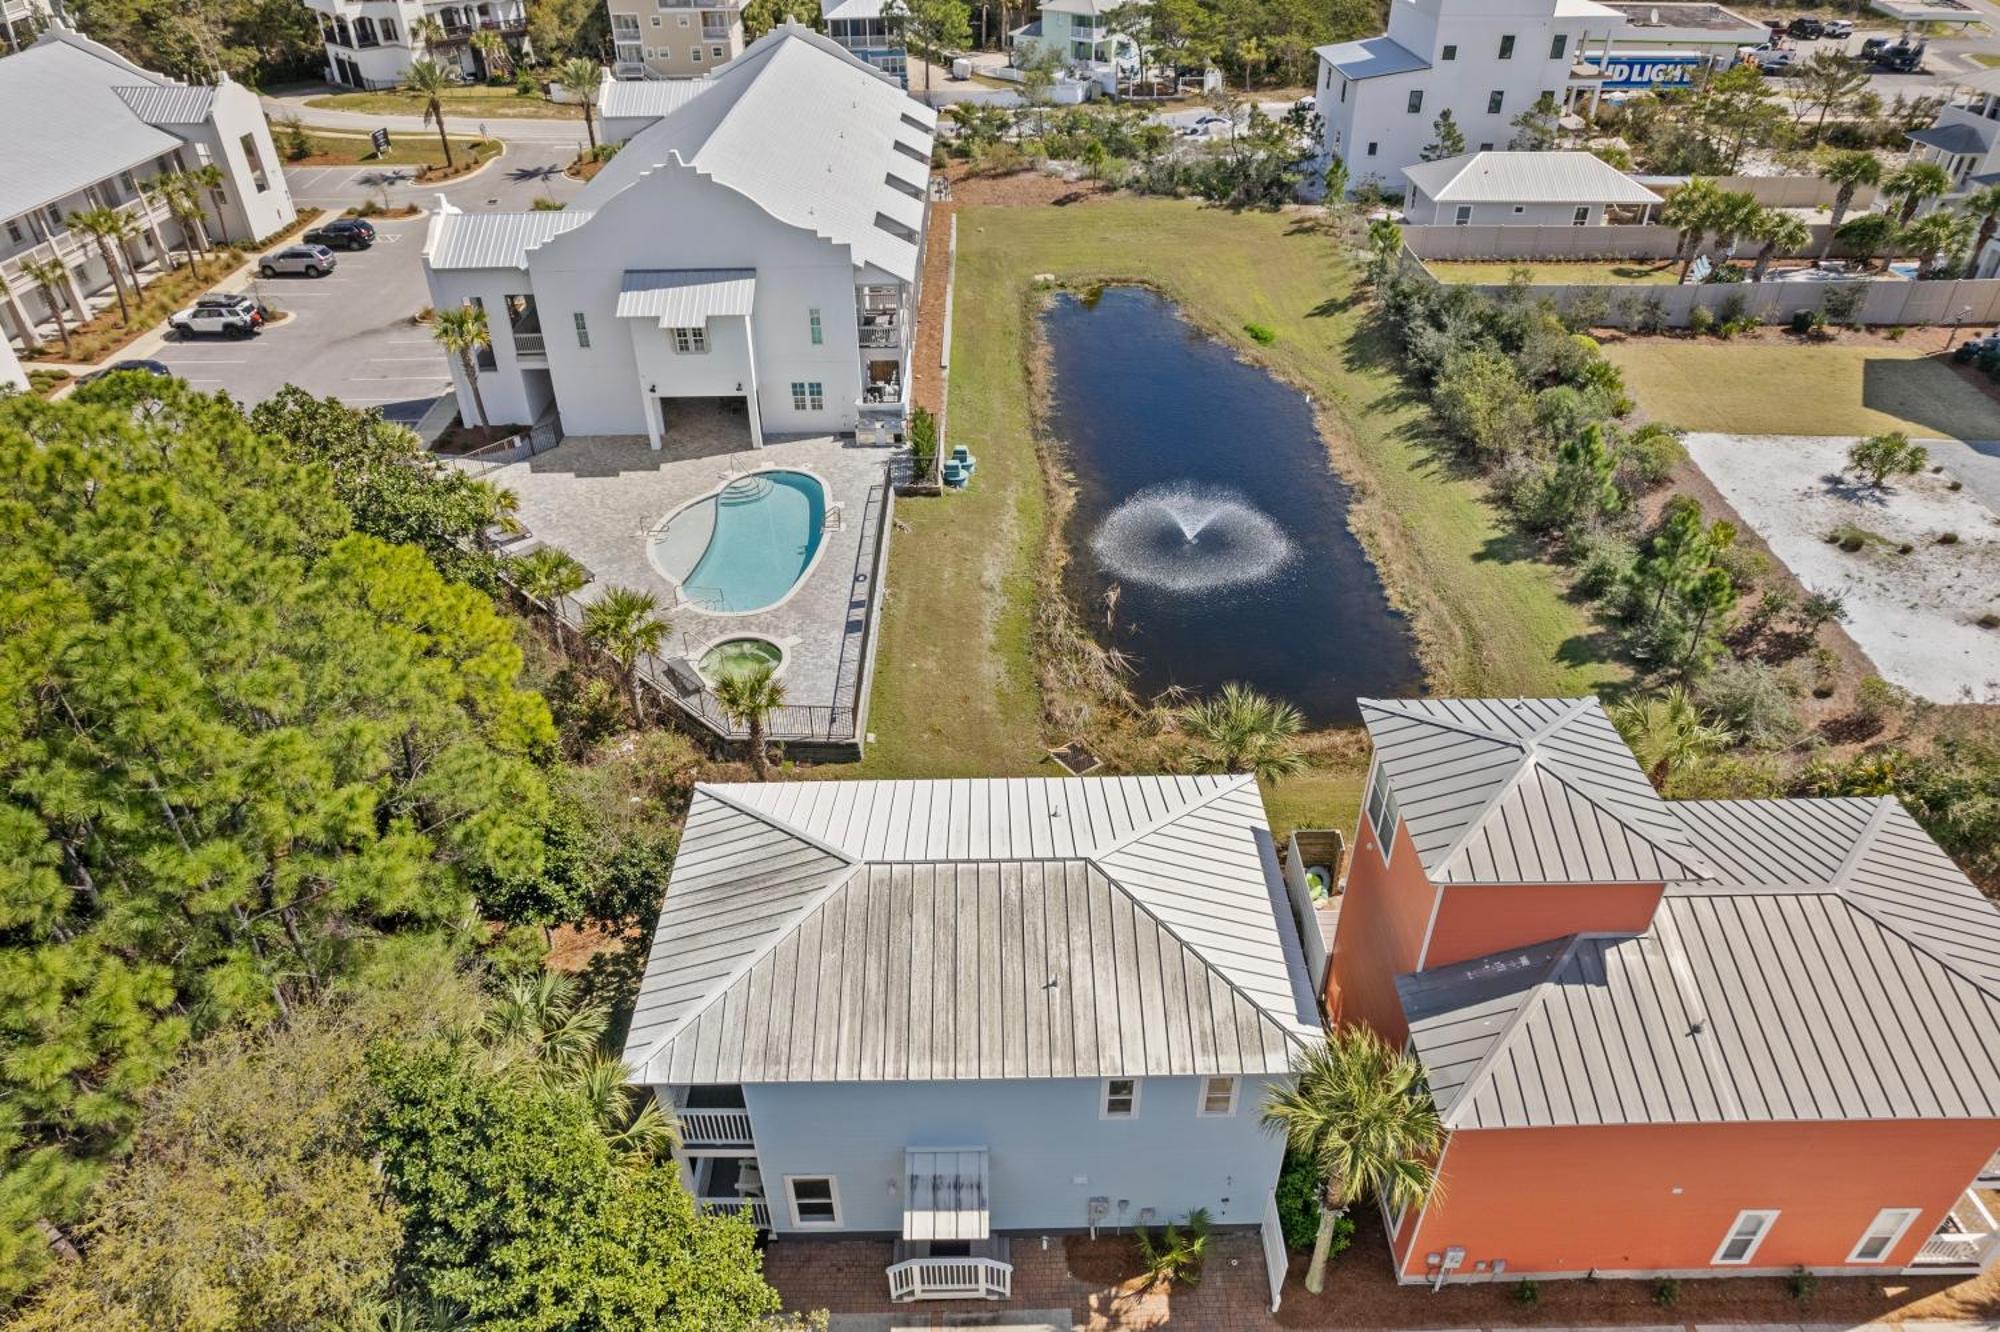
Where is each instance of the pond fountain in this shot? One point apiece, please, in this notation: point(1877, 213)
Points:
point(1209, 539)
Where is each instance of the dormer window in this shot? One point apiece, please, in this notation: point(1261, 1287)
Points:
point(1382, 812)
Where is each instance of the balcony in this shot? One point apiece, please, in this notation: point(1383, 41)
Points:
point(952, 1278)
point(756, 1209)
point(1966, 1241)
point(880, 328)
point(715, 1128)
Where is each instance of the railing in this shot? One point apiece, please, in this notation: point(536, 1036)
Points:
point(712, 31)
point(881, 330)
point(530, 344)
point(758, 1210)
point(1965, 1240)
point(951, 1279)
point(715, 1128)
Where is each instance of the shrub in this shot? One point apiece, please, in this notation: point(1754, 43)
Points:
point(1876, 701)
point(1261, 334)
point(1802, 1285)
point(1701, 320)
point(1602, 562)
point(1527, 1292)
point(1947, 538)
point(1298, 1198)
point(923, 443)
point(1648, 456)
point(1879, 457)
point(1652, 316)
point(1178, 1253)
point(1753, 701)
point(1666, 1291)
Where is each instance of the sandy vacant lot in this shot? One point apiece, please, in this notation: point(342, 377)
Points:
point(1915, 614)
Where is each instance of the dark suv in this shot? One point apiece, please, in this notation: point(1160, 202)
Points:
point(1808, 28)
point(344, 233)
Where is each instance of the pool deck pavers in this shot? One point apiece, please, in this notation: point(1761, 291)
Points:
point(600, 497)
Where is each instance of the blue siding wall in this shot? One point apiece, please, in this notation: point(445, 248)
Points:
point(1049, 1152)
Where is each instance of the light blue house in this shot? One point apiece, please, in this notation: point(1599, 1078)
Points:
point(950, 1013)
point(1080, 33)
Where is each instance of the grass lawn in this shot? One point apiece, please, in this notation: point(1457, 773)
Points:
point(327, 148)
point(1981, 57)
point(1636, 271)
point(954, 690)
point(1778, 386)
point(477, 102)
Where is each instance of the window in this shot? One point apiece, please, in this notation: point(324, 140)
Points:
point(1121, 1099)
point(14, 231)
point(1882, 1234)
point(1558, 46)
point(1494, 101)
point(1381, 799)
point(815, 1200)
point(691, 340)
point(1485, 147)
point(388, 30)
point(1462, 218)
point(1507, 47)
point(1343, 90)
point(1740, 1246)
point(1449, 53)
point(694, 54)
point(1371, 148)
point(1416, 100)
point(256, 161)
point(812, 322)
point(1520, 209)
point(656, 21)
point(808, 395)
point(582, 330)
point(1218, 1097)
point(1582, 216)
point(684, 21)
point(129, 183)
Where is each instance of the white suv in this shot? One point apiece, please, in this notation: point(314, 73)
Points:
point(212, 321)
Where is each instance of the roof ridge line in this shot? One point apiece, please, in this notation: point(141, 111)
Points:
point(1468, 1090)
point(1918, 946)
point(742, 969)
point(1577, 707)
point(1447, 723)
point(1139, 905)
point(1478, 821)
point(1885, 805)
point(1165, 820)
point(1688, 859)
point(745, 808)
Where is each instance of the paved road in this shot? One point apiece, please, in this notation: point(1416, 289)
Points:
point(512, 129)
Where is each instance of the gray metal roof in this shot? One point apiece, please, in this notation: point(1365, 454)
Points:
point(1371, 58)
point(1540, 177)
point(67, 125)
point(1833, 964)
point(1957, 138)
point(493, 240)
point(972, 929)
point(1524, 791)
point(635, 99)
point(169, 104)
point(686, 297)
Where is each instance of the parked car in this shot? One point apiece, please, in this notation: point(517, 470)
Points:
point(1838, 29)
point(311, 260)
point(235, 300)
point(348, 233)
point(1905, 57)
point(1775, 25)
point(1874, 46)
point(1775, 63)
point(1808, 28)
point(211, 321)
point(144, 364)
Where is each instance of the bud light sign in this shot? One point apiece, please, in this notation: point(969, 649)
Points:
point(1649, 71)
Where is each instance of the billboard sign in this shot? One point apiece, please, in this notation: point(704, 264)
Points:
point(1640, 71)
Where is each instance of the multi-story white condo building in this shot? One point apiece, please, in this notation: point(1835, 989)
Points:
point(860, 26)
point(740, 252)
point(674, 39)
point(20, 20)
point(92, 130)
point(1487, 61)
point(371, 43)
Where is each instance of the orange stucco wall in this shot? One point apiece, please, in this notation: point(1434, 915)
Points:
point(1384, 913)
point(1477, 919)
point(1656, 1198)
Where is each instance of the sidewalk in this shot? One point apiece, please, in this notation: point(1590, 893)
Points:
point(508, 129)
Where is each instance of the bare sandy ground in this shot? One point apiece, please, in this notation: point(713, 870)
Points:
point(1916, 613)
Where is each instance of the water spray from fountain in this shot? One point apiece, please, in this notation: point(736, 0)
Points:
point(1189, 537)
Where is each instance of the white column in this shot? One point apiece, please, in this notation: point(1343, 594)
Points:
point(750, 385)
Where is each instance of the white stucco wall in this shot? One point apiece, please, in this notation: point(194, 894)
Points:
point(1049, 1151)
point(248, 213)
point(1425, 211)
point(11, 374)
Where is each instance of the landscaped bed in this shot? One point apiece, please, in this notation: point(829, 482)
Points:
point(1918, 562)
point(1564, 272)
point(476, 102)
point(328, 148)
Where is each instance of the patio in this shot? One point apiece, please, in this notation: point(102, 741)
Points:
point(600, 498)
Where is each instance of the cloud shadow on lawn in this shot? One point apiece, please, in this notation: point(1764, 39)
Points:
point(1926, 393)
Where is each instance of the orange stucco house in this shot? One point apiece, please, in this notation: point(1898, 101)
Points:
point(1667, 1038)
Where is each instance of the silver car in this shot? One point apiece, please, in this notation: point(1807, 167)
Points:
point(311, 260)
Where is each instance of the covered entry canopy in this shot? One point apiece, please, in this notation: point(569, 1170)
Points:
point(686, 297)
point(946, 1195)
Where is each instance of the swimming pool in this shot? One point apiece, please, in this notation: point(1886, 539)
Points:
point(746, 546)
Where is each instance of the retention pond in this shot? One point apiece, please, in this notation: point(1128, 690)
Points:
point(1209, 539)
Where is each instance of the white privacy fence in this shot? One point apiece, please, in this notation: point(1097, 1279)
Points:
point(1275, 1258)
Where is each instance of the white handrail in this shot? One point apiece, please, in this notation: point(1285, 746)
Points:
point(951, 1279)
point(758, 1209)
point(708, 1128)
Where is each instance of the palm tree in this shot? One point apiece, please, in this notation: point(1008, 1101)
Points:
point(105, 225)
point(1984, 206)
point(426, 78)
point(1868, 235)
point(428, 32)
point(1915, 183)
point(183, 195)
point(1240, 730)
point(1735, 216)
point(1849, 171)
point(548, 574)
point(1776, 230)
point(462, 332)
point(751, 696)
point(1689, 210)
point(1932, 237)
point(625, 624)
point(209, 177)
point(1666, 733)
point(52, 275)
point(579, 76)
point(492, 48)
point(1361, 1112)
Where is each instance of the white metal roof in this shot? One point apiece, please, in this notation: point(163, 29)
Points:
point(168, 103)
point(946, 1194)
point(1527, 178)
point(1371, 58)
point(808, 132)
point(1524, 790)
point(686, 297)
point(492, 240)
point(633, 99)
point(972, 929)
point(63, 124)
point(1091, 7)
